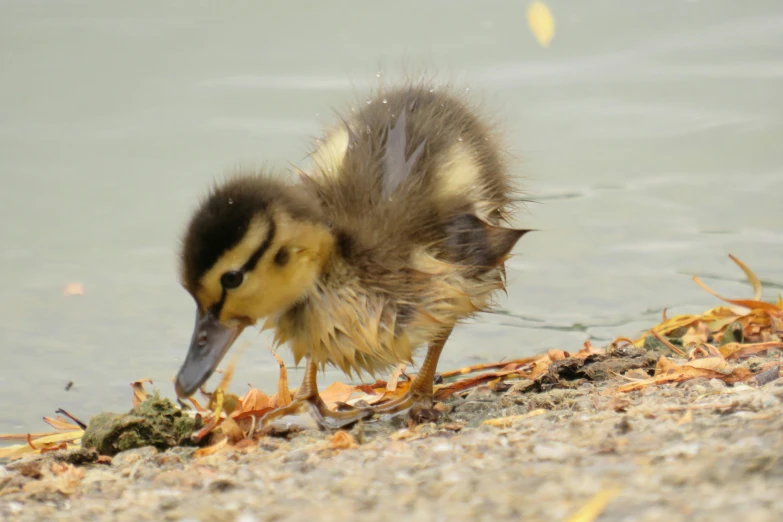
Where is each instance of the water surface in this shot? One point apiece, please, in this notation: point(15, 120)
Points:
point(649, 132)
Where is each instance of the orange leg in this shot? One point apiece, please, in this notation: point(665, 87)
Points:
point(308, 394)
point(419, 398)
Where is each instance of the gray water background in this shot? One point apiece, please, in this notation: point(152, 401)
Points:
point(651, 134)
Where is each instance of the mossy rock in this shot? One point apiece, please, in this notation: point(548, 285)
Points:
point(155, 422)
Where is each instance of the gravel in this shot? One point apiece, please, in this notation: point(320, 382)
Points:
point(694, 451)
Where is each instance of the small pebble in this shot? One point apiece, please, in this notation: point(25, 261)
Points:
point(132, 456)
point(221, 485)
point(555, 451)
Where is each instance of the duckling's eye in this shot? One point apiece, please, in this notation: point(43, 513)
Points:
point(231, 279)
point(281, 258)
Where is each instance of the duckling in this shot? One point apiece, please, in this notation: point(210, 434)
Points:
point(392, 238)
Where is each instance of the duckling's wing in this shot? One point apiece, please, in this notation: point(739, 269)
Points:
point(397, 167)
point(472, 242)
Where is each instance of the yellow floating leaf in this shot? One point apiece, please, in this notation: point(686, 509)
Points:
point(541, 22)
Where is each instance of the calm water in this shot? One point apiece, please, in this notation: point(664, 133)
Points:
point(651, 134)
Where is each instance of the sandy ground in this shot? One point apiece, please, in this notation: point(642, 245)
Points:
point(697, 450)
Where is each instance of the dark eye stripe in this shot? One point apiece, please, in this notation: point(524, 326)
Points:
point(253, 260)
point(217, 307)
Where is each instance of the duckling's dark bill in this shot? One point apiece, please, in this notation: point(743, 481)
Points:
point(211, 340)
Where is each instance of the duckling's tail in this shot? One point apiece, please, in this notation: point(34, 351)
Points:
point(473, 242)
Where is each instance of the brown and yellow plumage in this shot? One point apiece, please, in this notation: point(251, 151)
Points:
point(392, 237)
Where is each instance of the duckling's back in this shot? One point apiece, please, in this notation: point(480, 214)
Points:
point(413, 168)
point(414, 189)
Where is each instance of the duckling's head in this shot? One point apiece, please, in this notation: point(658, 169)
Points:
point(254, 247)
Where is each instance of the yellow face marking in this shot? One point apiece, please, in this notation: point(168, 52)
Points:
point(270, 286)
point(459, 174)
point(210, 289)
point(328, 156)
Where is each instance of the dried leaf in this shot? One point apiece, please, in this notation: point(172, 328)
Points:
point(556, 355)
point(16, 451)
point(60, 424)
point(283, 393)
point(754, 281)
point(369, 398)
point(675, 349)
point(58, 447)
point(139, 393)
point(595, 506)
point(447, 390)
point(394, 377)
point(81, 424)
point(336, 392)
point(668, 371)
point(34, 444)
point(587, 350)
point(493, 366)
point(505, 422)
point(69, 436)
point(541, 22)
point(747, 303)
point(665, 328)
point(737, 350)
point(696, 335)
point(253, 400)
point(714, 364)
point(211, 450)
point(252, 413)
point(719, 325)
point(342, 440)
point(21, 436)
point(232, 431)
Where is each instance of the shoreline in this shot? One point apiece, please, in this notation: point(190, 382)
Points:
point(694, 450)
